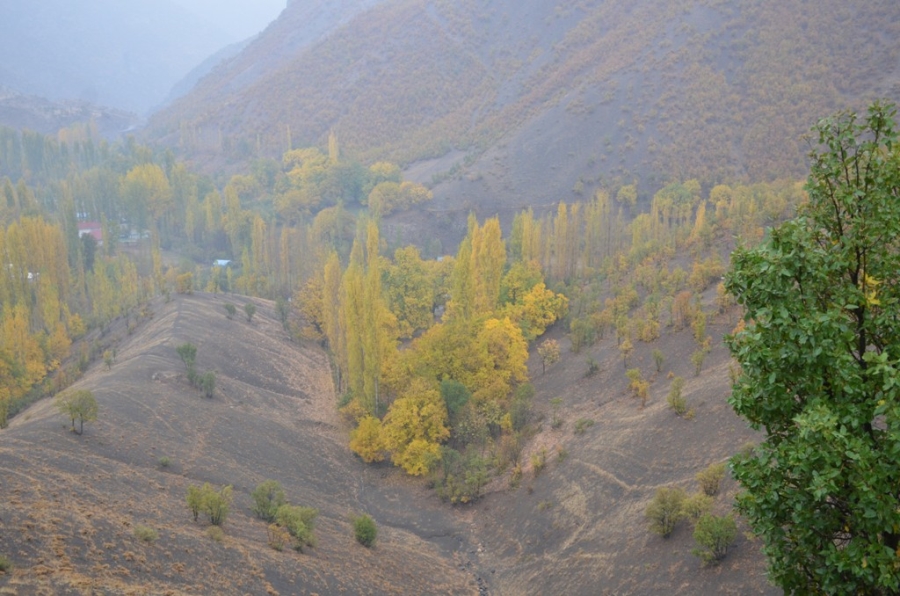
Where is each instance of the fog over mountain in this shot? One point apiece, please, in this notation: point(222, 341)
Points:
point(126, 55)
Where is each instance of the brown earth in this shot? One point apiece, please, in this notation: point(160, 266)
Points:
point(69, 504)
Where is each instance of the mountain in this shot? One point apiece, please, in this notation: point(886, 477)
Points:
point(126, 55)
point(506, 104)
point(48, 117)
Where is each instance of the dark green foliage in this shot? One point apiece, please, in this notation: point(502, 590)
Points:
point(5, 564)
point(250, 310)
point(455, 395)
point(819, 356)
point(230, 310)
point(267, 497)
point(665, 510)
point(365, 530)
point(713, 535)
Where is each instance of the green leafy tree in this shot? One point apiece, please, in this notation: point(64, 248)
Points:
point(80, 405)
point(665, 510)
point(713, 535)
point(819, 356)
point(267, 497)
point(188, 354)
point(250, 310)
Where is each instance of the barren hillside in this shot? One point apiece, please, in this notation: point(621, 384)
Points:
point(70, 503)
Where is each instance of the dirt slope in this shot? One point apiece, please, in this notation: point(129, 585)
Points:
point(69, 504)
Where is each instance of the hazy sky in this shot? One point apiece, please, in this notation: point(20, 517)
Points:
point(238, 18)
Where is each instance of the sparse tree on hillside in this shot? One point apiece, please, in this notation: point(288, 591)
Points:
point(818, 356)
point(250, 310)
point(665, 510)
point(549, 353)
point(80, 405)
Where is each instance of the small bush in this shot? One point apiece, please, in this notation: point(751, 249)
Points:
point(208, 383)
point(278, 537)
point(267, 497)
point(545, 505)
point(5, 564)
point(515, 479)
point(710, 479)
point(539, 461)
point(582, 424)
point(205, 499)
point(249, 310)
point(665, 510)
point(215, 533)
point(299, 522)
point(165, 461)
point(230, 310)
point(713, 536)
point(697, 505)
point(365, 530)
point(675, 400)
point(145, 534)
point(556, 420)
point(593, 368)
point(217, 505)
point(561, 453)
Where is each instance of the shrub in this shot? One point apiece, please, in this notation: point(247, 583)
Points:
point(145, 533)
point(195, 500)
point(713, 536)
point(658, 359)
point(462, 477)
point(299, 522)
point(278, 537)
point(208, 383)
point(582, 424)
point(697, 505)
point(675, 400)
point(267, 497)
point(5, 564)
point(215, 533)
point(250, 310)
point(205, 499)
point(188, 354)
point(593, 368)
point(365, 530)
point(710, 479)
point(555, 420)
point(217, 505)
point(665, 510)
point(230, 310)
point(165, 461)
point(539, 461)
